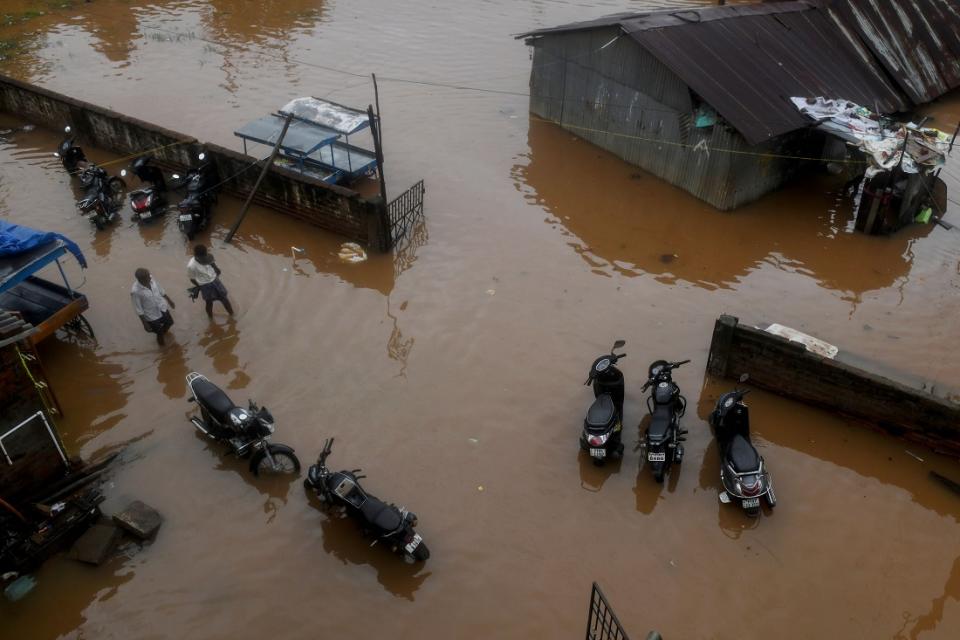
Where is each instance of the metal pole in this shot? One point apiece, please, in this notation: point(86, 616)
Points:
point(375, 129)
point(266, 167)
point(376, 101)
point(954, 138)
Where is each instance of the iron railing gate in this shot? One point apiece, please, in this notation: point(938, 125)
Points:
point(404, 212)
point(602, 623)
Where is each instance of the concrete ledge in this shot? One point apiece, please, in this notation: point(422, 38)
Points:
point(788, 369)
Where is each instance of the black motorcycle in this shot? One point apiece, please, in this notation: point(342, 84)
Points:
point(384, 522)
point(195, 209)
point(742, 470)
point(662, 441)
point(104, 194)
point(603, 424)
point(71, 156)
point(149, 202)
point(246, 431)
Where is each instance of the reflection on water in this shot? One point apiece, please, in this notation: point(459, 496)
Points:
point(593, 476)
point(913, 626)
point(626, 221)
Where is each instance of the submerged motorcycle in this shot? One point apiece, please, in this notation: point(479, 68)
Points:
point(150, 201)
point(71, 156)
point(195, 208)
point(104, 194)
point(246, 431)
point(603, 424)
point(384, 522)
point(742, 470)
point(662, 441)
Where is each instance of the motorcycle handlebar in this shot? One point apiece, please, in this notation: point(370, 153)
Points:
point(677, 364)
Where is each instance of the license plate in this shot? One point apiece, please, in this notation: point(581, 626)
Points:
point(145, 215)
point(750, 503)
point(598, 453)
point(655, 456)
point(185, 217)
point(413, 544)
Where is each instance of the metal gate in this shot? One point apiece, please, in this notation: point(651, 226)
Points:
point(404, 212)
point(602, 623)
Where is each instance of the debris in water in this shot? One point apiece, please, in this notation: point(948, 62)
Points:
point(480, 488)
point(19, 588)
point(352, 252)
point(295, 250)
point(472, 440)
point(667, 258)
point(913, 455)
point(491, 292)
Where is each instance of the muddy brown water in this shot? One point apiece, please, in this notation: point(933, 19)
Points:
point(457, 364)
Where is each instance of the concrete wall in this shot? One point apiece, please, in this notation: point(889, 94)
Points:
point(787, 368)
point(330, 207)
point(624, 100)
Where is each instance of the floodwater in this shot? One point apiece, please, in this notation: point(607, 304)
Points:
point(451, 372)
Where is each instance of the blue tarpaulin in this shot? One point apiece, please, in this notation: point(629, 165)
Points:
point(16, 239)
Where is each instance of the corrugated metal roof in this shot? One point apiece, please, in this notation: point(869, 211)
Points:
point(748, 60)
point(916, 41)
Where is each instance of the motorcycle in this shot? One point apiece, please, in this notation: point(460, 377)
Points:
point(148, 202)
point(246, 431)
point(201, 195)
point(603, 424)
point(103, 195)
point(742, 470)
point(71, 156)
point(663, 438)
point(385, 522)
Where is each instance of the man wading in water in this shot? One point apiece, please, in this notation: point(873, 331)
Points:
point(205, 275)
point(151, 304)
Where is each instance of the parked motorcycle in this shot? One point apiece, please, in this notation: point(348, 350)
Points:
point(246, 431)
point(603, 424)
point(148, 202)
point(663, 438)
point(104, 193)
point(71, 156)
point(384, 522)
point(742, 470)
point(195, 208)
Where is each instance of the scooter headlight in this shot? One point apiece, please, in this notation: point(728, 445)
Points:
point(56, 154)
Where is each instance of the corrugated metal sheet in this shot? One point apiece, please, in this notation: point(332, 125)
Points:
point(748, 60)
point(916, 41)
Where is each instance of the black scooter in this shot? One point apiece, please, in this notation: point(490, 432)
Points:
point(742, 470)
point(71, 156)
point(149, 202)
point(195, 208)
point(387, 523)
point(247, 431)
point(663, 438)
point(603, 424)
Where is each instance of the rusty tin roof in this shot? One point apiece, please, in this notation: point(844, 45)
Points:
point(747, 61)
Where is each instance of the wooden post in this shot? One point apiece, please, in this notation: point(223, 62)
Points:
point(266, 167)
point(719, 358)
point(376, 102)
point(384, 215)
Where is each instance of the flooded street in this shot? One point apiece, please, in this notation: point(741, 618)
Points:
point(451, 372)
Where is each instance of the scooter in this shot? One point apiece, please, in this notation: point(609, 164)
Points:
point(603, 424)
point(149, 202)
point(71, 156)
point(742, 470)
point(387, 523)
point(662, 441)
point(246, 431)
point(201, 196)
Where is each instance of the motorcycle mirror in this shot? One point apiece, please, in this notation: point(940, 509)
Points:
point(619, 344)
point(202, 156)
point(744, 377)
point(66, 129)
point(56, 154)
point(123, 173)
point(176, 176)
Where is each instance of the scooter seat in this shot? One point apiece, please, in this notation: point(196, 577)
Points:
point(743, 455)
point(601, 412)
point(212, 398)
point(379, 514)
point(660, 424)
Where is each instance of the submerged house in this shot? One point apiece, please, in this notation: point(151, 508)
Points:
point(701, 97)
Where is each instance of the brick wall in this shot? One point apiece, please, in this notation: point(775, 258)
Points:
point(331, 207)
point(788, 369)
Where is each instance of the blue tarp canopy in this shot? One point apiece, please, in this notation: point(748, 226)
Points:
point(24, 251)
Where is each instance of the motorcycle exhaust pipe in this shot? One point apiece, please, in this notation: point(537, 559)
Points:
point(199, 425)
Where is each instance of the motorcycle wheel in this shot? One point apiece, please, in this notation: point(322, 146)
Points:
point(659, 470)
point(421, 553)
point(98, 222)
point(116, 186)
point(286, 463)
point(86, 178)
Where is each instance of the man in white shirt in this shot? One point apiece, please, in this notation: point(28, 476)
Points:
point(151, 303)
point(205, 276)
